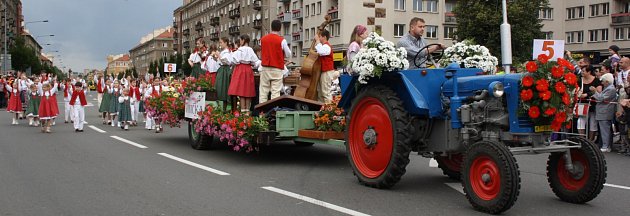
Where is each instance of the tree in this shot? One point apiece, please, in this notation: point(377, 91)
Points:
point(24, 57)
point(480, 21)
point(185, 66)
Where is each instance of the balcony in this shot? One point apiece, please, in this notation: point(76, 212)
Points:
point(449, 17)
point(174, 24)
point(186, 44)
point(198, 26)
point(235, 30)
point(258, 24)
point(214, 21)
point(284, 1)
point(297, 36)
point(285, 17)
point(297, 14)
point(334, 13)
point(214, 36)
point(235, 13)
point(186, 32)
point(257, 5)
point(288, 38)
point(620, 18)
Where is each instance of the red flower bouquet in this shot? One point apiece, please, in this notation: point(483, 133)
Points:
point(548, 92)
point(330, 117)
point(237, 130)
point(201, 84)
point(169, 107)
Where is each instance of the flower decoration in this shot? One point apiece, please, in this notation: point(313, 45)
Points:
point(377, 56)
point(330, 117)
point(168, 107)
point(234, 128)
point(470, 55)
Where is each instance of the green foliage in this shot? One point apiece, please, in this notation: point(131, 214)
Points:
point(24, 57)
point(480, 20)
point(185, 66)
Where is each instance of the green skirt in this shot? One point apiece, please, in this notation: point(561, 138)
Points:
point(141, 106)
point(124, 114)
point(33, 107)
point(224, 76)
point(113, 104)
point(105, 101)
point(197, 71)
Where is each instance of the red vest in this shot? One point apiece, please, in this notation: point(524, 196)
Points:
point(99, 86)
point(134, 92)
point(81, 96)
point(271, 51)
point(327, 61)
point(156, 93)
point(66, 91)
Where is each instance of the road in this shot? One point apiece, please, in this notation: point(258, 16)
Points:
point(107, 171)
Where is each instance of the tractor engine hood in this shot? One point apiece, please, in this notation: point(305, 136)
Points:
point(469, 85)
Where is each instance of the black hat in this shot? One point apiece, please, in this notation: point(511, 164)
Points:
point(614, 48)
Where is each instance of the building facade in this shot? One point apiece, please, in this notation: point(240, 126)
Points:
point(153, 47)
point(10, 26)
point(214, 19)
point(117, 64)
point(589, 27)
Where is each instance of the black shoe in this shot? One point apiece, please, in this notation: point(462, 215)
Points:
point(80, 130)
point(76, 130)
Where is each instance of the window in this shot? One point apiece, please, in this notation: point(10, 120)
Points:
point(449, 32)
point(432, 31)
point(602, 9)
point(605, 8)
point(594, 10)
point(575, 37)
point(306, 35)
point(399, 5)
point(399, 30)
point(417, 5)
point(432, 6)
point(619, 34)
point(307, 11)
point(295, 5)
point(548, 35)
point(449, 6)
point(313, 9)
point(598, 35)
point(294, 51)
point(575, 12)
point(319, 8)
point(593, 36)
point(545, 14)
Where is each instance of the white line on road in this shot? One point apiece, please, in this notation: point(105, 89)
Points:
point(314, 201)
point(617, 186)
point(457, 186)
point(129, 142)
point(215, 171)
point(96, 129)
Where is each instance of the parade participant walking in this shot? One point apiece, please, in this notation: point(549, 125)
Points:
point(48, 109)
point(32, 110)
point(143, 88)
point(67, 93)
point(198, 57)
point(224, 73)
point(115, 92)
point(3, 92)
point(324, 49)
point(100, 86)
point(15, 104)
point(274, 52)
point(413, 42)
point(356, 39)
point(154, 91)
point(104, 107)
point(78, 103)
point(125, 118)
point(135, 96)
point(242, 84)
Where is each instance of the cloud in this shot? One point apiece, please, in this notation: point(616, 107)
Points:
point(86, 31)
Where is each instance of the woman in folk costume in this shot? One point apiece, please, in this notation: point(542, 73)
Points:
point(104, 107)
point(143, 88)
point(134, 95)
point(198, 57)
point(15, 104)
point(153, 91)
point(48, 108)
point(224, 73)
point(67, 89)
point(100, 86)
point(211, 65)
point(124, 101)
point(114, 92)
point(242, 84)
point(32, 110)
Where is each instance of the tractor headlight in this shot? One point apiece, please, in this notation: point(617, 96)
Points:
point(496, 88)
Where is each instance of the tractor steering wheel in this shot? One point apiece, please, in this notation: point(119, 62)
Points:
point(429, 58)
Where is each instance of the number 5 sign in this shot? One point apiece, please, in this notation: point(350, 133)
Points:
point(552, 48)
point(170, 68)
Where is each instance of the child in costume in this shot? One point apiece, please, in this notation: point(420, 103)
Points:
point(15, 104)
point(125, 112)
point(78, 102)
point(32, 110)
point(48, 108)
point(114, 92)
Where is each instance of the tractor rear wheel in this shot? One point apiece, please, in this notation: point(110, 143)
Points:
point(379, 133)
point(589, 176)
point(199, 141)
point(491, 178)
point(451, 165)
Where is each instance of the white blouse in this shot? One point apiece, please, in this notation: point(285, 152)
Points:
point(225, 57)
point(210, 65)
point(122, 99)
point(245, 55)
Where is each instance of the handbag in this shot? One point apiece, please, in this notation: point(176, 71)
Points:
point(581, 109)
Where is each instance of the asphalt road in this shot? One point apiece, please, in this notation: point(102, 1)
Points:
point(94, 173)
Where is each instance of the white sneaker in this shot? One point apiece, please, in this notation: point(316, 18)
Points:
point(113, 124)
point(53, 123)
point(605, 149)
point(119, 125)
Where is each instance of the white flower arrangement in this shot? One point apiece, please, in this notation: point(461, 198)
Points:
point(471, 56)
point(376, 56)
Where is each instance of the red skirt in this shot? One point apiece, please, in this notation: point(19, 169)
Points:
point(48, 108)
point(15, 104)
point(242, 83)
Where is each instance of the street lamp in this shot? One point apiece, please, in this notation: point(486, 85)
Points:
point(44, 36)
point(36, 22)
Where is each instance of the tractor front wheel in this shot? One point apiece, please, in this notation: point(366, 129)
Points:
point(588, 176)
point(199, 141)
point(491, 178)
point(378, 137)
point(451, 165)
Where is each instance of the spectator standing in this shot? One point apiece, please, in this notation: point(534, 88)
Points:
point(604, 109)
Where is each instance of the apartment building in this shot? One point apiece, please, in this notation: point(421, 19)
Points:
point(153, 47)
point(389, 17)
point(10, 26)
point(117, 64)
point(214, 19)
point(589, 27)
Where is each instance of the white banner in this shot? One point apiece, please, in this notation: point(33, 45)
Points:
point(552, 48)
point(194, 104)
point(170, 68)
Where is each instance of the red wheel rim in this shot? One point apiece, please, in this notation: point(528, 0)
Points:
point(453, 163)
point(567, 180)
point(371, 162)
point(485, 178)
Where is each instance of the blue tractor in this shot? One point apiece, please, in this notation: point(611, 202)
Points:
point(470, 124)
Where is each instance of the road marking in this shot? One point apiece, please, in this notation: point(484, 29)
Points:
point(129, 142)
point(96, 129)
point(617, 186)
point(456, 186)
point(314, 201)
point(215, 171)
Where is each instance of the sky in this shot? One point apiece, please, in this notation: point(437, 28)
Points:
point(86, 31)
